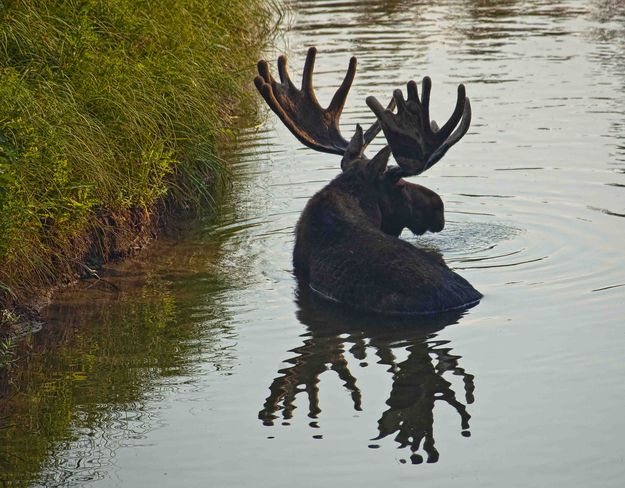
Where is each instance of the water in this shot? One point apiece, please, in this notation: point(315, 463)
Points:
point(199, 364)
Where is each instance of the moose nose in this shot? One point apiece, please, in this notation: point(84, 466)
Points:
point(438, 222)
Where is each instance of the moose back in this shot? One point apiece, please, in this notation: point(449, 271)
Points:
point(347, 246)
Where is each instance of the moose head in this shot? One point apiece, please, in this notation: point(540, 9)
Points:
point(416, 142)
point(346, 239)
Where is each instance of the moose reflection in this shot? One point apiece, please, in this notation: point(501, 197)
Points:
point(346, 245)
point(418, 382)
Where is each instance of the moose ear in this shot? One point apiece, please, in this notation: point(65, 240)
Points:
point(377, 166)
point(354, 150)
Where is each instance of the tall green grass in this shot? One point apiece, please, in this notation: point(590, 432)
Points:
point(107, 107)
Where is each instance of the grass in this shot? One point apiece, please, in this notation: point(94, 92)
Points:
point(7, 353)
point(107, 110)
point(7, 343)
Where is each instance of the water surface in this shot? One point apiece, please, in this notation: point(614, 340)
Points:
point(199, 363)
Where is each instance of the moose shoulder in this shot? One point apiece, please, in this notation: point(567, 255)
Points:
point(347, 247)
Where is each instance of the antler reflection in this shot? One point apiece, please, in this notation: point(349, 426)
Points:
point(317, 355)
point(418, 382)
point(417, 385)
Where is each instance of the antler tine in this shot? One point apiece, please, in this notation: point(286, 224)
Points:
point(263, 71)
point(426, 88)
point(445, 131)
point(416, 142)
point(455, 137)
point(283, 72)
point(339, 98)
point(309, 67)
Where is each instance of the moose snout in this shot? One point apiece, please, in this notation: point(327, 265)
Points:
point(438, 222)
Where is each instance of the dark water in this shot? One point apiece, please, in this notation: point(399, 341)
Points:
point(197, 364)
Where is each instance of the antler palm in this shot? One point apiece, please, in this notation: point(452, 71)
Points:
point(299, 110)
point(417, 143)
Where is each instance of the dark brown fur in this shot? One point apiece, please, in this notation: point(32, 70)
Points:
point(343, 253)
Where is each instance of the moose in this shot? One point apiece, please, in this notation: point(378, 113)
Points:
point(347, 246)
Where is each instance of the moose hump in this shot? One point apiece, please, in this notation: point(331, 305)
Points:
point(347, 248)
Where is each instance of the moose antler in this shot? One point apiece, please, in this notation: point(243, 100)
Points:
point(300, 112)
point(416, 142)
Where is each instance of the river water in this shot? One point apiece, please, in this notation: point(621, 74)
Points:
point(197, 363)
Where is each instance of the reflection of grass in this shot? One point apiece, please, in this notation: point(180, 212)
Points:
point(8, 320)
point(106, 109)
point(89, 382)
point(7, 353)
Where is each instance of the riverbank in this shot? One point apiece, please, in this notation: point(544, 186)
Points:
point(110, 119)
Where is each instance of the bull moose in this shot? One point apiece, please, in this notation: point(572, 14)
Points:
point(347, 245)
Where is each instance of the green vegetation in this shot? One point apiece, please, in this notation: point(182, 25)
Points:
point(7, 352)
point(10, 321)
point(108, 112)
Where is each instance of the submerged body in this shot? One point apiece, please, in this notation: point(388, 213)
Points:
point(342, 254)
